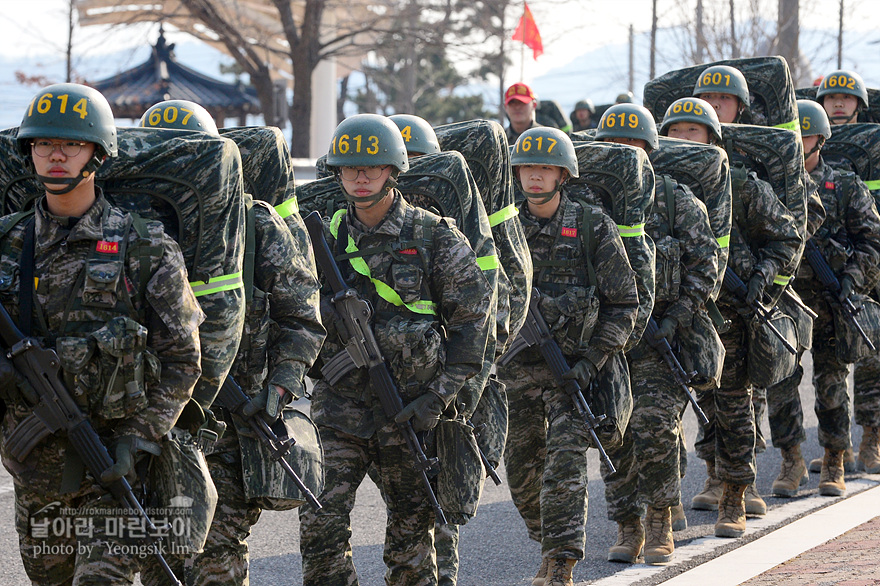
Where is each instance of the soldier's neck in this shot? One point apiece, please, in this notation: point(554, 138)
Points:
point(371, 216)
point(74, 203)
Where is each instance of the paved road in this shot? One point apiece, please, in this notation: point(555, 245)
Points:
point(494, 547)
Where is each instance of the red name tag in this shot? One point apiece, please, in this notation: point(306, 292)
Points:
point(570, 232)
point(409, 251)
point(829, 185)
point(107, 247)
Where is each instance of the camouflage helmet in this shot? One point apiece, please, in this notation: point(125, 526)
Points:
point(624, 98)
point(72, 111)
point(843, 82)
point(813, 119)
point(628, 121)
point(417, 134)
point(545, 145)
point(179, 115)
point(585, 104)
point(367, 140)
point(723, 79)
point(692, 110)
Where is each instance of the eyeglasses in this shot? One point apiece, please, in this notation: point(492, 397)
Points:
point(352, 173)
point(69, 148)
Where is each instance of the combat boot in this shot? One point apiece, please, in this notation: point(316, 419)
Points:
point(731, 511)
point(793, 473)
point(679, 520)
point(755, 505)
point(849, 462)
point(630, 539)
point(541, 576)
point(559, 572)
point(869, 450)
point(708, 499)
point(658, 539)
point(831, 481)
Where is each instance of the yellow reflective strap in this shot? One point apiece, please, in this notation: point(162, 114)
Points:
point(487, 263)
point(222, 283)
point(288, 207)
point(36, 283)
point(781, 280)
point(384, 291)
point(503, 215)
point(794, 125)
point(631, 231)
point(872, 185)
point(724, 241)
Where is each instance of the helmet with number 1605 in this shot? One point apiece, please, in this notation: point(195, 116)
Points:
point(813, 119)
point(367, 140)
point(692, 110)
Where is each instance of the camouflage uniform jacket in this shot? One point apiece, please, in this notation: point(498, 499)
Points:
point(690, 243)
point(763, 237)
point(283, 331)
point(444, 272)
point(849, 238)
point(512, 134)
point(76, 296)
point(558, 239)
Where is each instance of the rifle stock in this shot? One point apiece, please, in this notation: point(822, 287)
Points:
point(233, 398)
point(536, 332)
point(682, 378)
point(830, 281)
point(360, 343)
point(56, 411)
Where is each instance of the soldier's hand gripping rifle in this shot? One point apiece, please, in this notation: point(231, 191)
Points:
point(233, 398)
point(832, 284)
point(57, 412)
point(682, 378)
point(363, 350)
point(735, 285)
point(536, 332)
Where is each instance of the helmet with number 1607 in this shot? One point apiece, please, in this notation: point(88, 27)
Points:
point(179, 115)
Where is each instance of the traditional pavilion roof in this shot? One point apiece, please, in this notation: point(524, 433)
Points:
point(161, 77)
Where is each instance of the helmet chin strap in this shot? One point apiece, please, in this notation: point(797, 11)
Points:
point(818, 146)
point(374, 199)
point(542, 198)
point(843, 119)
point(71, 182)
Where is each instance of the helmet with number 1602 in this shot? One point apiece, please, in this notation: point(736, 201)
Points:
point(843, 82)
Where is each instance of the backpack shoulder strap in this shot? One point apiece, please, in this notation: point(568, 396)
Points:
point(588, 240)
point(669, 191)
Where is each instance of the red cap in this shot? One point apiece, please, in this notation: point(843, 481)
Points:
point(519, 91)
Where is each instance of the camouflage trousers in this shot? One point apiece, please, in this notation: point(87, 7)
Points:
point(409, 534)
point(647, 462)
point(83, 539)
point(546, 459)
point(225, 559)
point(866, 392)
point(729, 438)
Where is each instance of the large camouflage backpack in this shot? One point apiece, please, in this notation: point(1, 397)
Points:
point(550, 113)
point(705, 170)
point(771, 90)
point(871, 115)
point(856, 147)
point(483, 143)
point(191, 182)
point(776, 155)
point(620, 179)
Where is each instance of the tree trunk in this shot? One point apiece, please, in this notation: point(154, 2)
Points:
point(301, 109)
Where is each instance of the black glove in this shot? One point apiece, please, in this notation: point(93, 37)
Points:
point(583, 372)
point(756, 289)
point(846, 288)
point(127, 448)
point(666, 329)
point(268, 403)
point(424, 410)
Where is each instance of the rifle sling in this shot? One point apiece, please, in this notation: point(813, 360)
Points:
point(26, 282)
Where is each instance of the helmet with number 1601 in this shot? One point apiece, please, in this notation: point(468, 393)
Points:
point(723, 79)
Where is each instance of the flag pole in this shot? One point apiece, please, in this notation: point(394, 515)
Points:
point(522, 49)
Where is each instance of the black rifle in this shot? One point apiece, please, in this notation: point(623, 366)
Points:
point(536, 332)
point(829, 280)
point(682, 378)
point(233, 398)
point(735, 285)
point(55, 412)
point(360, 344)
point(490, 470)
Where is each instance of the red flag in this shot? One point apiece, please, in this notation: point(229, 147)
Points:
point(527, 32)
